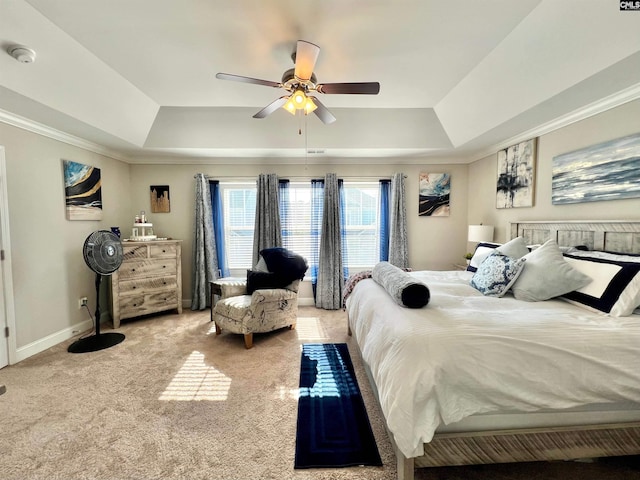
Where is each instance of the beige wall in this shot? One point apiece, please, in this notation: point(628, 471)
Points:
point(49, 272)
point(615, 123)
point(435, 243)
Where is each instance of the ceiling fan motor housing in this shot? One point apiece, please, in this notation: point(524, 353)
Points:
point(290, 82)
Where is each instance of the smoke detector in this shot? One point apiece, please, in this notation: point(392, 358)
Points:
point(22, 54)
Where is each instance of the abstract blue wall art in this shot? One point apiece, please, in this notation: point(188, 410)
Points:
point(516, 175)
point(434, 194)
point(606, 171)
point(82, 191)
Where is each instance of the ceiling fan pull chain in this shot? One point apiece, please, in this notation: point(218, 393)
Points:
point(306, 149)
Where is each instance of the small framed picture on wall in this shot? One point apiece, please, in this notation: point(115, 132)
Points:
point(435, 189)
point(516, 175)
point(160, 202)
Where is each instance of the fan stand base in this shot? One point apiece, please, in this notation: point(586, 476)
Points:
point(96, 342)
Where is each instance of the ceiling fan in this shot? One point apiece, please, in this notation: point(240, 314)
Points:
point(300, 81)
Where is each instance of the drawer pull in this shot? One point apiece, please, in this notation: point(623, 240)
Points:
point(164, 266)
point(133, 288)
point(133, 269)
point(164, 283)
point(164, 251)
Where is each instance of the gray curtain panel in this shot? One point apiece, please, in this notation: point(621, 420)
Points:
point(398, 242)
point(267, 232)
point(330, 276)
point(205, 259)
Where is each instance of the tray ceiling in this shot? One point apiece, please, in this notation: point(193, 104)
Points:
point(457, 78)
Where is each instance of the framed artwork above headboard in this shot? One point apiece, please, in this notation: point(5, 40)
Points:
point(611, 235)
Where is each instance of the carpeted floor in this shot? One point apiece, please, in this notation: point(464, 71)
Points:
point(173, 401)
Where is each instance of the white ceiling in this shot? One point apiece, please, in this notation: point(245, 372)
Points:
point(457, 78)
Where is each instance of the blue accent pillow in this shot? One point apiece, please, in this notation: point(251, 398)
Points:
point(515, 248)
point(496, 274)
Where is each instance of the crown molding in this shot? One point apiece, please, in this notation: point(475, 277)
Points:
point(624, 96)
point(46, 131)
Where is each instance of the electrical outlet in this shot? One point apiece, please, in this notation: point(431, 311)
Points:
point(82, 302)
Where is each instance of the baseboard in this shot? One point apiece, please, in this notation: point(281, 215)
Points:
point(52, 340)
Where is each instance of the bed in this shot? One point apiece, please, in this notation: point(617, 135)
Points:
point(473, 379)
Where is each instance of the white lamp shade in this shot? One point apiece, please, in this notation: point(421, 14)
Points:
point(480, 233)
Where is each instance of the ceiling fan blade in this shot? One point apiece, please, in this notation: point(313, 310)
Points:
point(306, 56)
point(272, 107)
point(361, 88)
point(322, 112)
point(240, 78)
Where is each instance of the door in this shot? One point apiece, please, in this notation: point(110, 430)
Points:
point(6, 285)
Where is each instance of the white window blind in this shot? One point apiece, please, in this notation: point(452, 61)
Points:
point(361, 218)
point(239, 210)
point(362, 224)
point(296, 234)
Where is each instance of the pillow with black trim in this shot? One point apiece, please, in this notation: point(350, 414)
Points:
point(496, 274)
point(482, 251)
point(615, 288)
point(514, 248)
point(285, 263)
point(547, 275)
point(264, 280)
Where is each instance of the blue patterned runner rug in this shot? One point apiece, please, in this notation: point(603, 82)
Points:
point(333, 426)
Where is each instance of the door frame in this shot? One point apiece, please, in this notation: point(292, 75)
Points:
point(5, 268)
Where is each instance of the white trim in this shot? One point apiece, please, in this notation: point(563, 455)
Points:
point(46, 131)
point(7, 280)
point(625, 96)
point(412, 156)
point(52, 340)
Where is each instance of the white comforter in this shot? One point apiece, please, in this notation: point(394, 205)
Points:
point(465, 353)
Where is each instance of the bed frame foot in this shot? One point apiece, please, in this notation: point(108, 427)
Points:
point(405, 467)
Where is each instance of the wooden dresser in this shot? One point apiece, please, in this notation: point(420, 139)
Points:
point(148, 281)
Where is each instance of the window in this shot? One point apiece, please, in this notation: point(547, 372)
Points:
point(361, 218)
point(296, 233)
point(362, 224)
point(239, 210)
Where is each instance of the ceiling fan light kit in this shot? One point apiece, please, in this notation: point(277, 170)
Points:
point(300, 81)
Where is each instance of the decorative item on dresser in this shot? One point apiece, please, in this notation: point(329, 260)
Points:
point(148, 281)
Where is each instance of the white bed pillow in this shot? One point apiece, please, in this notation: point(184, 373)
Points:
point(546, 275)
point(514, 248)
point(496, 274)
point(616, 282)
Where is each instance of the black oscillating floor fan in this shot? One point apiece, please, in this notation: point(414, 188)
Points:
point(103, 254)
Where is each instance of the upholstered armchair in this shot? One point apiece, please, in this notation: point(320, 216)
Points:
point(270, 301)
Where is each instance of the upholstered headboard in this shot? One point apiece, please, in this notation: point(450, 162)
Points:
point(614, 236)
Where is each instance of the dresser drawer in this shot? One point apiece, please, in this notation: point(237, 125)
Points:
point(147, 285)
point(163, 251)
point(145, 268)
point(134, 305)
point(132, 253)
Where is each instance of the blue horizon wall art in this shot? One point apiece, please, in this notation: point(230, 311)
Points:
point(82, 191)
point(435, 189)
point(605, 171)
